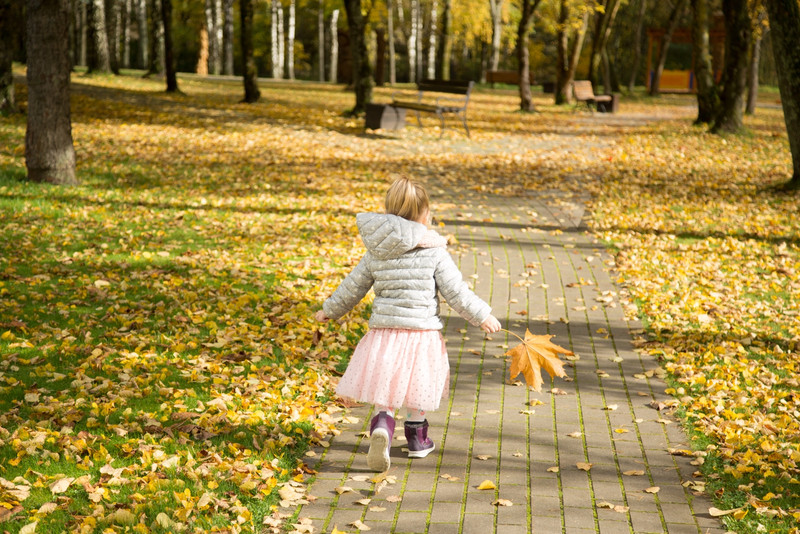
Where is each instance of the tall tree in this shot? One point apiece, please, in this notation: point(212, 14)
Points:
point(227, 38)
point(570, 30)
point(275, 35)
point(144, 33)
point(445, 48)
point(321, 39)
point(126, 33)
point(155, 39)
point(113, 26)
point(49, 152)
point(251, 92)
point(362, 73)
point(666, 39)
point(99, 59)
point(707, 91)
point(212, 23)
point(290, 39)
point(432, 41)
point(784, 23)
point(759, 29)
point(169, 54)
point(738, 29)
point(523, 56)
point(637, 49)
point(496, 10)
point(412, 42)
point(390, 34)
point(334, 69)
point(604, 22)
point(8, 102)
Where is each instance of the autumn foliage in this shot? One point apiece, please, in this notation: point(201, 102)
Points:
point(159, 365)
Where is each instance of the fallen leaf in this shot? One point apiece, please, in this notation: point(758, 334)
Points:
point(377, 509)
point(503, 502)
point(575, 434)
point(394, 498)
point(47, 508)
point(553, 469)
point(359, 525)
point(536, 352)
point(584, 466)
point(61, 485)
point(483, 457)
point(487, 485)
point(652, 489)
point(30, 528)
point(343, 489)
point(633, 473)
point(716, 512)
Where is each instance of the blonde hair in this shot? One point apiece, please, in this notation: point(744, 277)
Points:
point(407, 199)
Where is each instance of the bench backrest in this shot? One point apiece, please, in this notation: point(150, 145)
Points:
point(458, 87)
point(506, 76)
point(583, 90)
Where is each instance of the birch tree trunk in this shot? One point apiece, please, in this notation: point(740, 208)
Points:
point(144, 42)
point(217, 37)
point(432, 43)
point(674, 18)
point(99, 60)
point(390, 32)
point(334, 74)
point(156, 39)
point(251, 92)
point(209, 43)
point(412, 42)
point(496, 10)
point(290, 44)
point(752, 76)
point(113, 23)
point(321, 40)
point(8, 102)
point(126, 33)
point(281, 43)
point(637, 50)
point(784, 23)
point(227, 38)
point(274, 52)
point(420, 30)
point(737, 41)
point(445, 48)
point(49, 151)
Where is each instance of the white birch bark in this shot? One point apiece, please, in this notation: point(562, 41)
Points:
point(496, 7)
point(432, 42)
point(126, 34)
point(321, 39)
point(281, 42)
point(290, 43)
point(334, 45)
point(390, 31)
point(412, 42)
point(141, 15)
point(217, 36)
point(103, 60)
point(274, 37)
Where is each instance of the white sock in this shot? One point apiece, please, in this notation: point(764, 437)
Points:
point(389, 411)
point(415, 416)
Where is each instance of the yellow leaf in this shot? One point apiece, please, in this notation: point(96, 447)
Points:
point(535, 353)
point(337, 531)
point(487, 485)
point(359, 525)
point(652, 489)
point(583, 466)
point(739, 514)
point(61, 485)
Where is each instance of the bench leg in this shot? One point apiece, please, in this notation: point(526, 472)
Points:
point(419, 121)
point(441, 120)
point(464, 121)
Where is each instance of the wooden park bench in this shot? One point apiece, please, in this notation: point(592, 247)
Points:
point(439, 103)
point(505, 76)
point(582, 89)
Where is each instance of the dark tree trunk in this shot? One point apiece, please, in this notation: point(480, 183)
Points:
point(99, 59)
point(380, 56)
point(49, 153)
point(227, 38)
point(674, 19)
point(637, 47)
point(707, 92)
point(251, 92)
point(523, 31)
point(752, 76)
point(784, 23)
point(112, 14)
point(169, 55)
point(155, 39)
point(602, 30)
point(445, 44)
point(565, 71)
point(737, 42)
point(362, 73)
point(8, 102)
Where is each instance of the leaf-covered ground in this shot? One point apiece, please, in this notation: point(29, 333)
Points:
point(159, 367)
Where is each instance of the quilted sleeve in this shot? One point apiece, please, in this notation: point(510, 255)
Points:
point(350, 292)
point(456, 292)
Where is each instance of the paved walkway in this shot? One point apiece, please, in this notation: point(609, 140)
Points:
point(535, 264)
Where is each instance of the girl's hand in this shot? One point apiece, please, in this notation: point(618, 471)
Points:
point(321, 317)
point(491, 325)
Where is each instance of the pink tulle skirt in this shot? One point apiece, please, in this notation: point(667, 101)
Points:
point(397, 368)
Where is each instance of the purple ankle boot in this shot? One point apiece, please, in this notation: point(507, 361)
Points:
point(419, 444)
point(381, 431)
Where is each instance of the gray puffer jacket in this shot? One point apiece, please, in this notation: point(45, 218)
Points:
point(407, 264)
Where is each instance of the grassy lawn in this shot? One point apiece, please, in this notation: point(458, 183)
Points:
point(159, 367)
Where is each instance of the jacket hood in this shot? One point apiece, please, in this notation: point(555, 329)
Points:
point(389, 236)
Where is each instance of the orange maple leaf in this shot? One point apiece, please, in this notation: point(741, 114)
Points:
point(534, 354)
